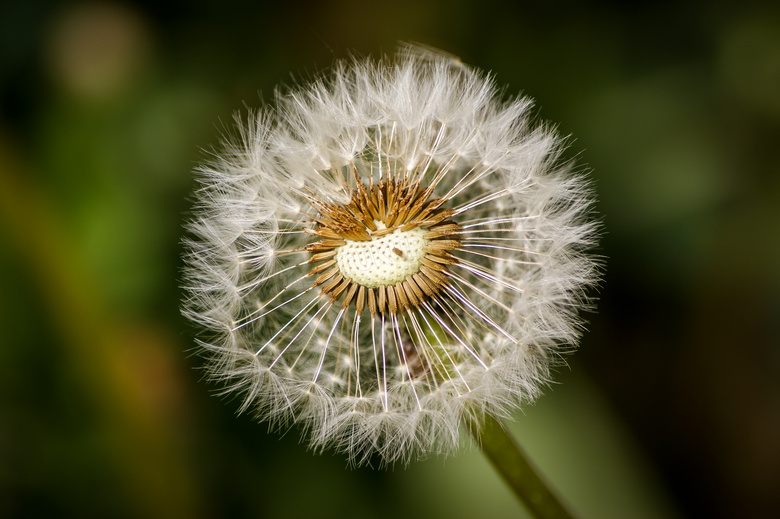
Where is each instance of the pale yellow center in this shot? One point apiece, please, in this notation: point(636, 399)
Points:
point(385, 260)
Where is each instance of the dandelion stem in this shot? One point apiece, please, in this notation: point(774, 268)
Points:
point(508, 458)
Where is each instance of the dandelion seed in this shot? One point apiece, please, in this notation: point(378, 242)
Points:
point(388, 252)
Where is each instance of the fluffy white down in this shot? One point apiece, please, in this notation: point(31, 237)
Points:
point(391, 386)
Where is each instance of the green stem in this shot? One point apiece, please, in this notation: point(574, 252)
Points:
point(523, 478)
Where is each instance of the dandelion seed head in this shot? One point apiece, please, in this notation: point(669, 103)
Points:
point(387, 252)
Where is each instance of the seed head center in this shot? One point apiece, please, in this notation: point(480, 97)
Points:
point(389, 248)
point(384, 260)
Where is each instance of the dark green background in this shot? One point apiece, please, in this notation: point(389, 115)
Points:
point(671, 408)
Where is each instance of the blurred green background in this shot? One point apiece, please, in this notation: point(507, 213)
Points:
point(670, 409)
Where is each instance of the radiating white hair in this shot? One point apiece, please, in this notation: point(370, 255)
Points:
point(499, 264)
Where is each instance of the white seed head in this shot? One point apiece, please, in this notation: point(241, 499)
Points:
point(387, 252)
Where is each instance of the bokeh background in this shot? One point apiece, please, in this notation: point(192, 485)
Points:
point(670, 409)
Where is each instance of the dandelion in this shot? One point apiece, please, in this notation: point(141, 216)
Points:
point(388, 253)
